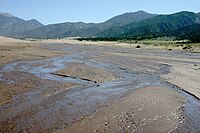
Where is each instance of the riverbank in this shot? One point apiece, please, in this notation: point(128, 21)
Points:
point(16, 50)
point(47, 86)
point(148, 109)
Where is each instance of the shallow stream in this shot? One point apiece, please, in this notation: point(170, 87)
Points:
point(70, 105)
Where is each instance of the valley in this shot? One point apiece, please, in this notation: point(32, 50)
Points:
point(81, 86)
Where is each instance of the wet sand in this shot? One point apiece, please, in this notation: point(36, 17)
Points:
point(148, 109)
point(97, 88)
point(85, 72)
point(17, 83)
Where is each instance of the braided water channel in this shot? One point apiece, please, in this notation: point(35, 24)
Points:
point(83, 100)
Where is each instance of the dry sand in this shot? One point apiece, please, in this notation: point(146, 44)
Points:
point(16, 50)
point(148, 109)
point(186, 76)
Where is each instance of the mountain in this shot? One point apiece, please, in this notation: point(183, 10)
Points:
point(198, 14)
point(10, 25)
point(157, 26)
point(5, 14)
point(191, 32)
point(137, 25)
point(84, 29)
point(56, 30)
point(127, 18)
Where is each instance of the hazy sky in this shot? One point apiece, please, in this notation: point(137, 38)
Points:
point(56, 11)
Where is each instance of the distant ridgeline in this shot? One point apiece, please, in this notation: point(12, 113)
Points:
point(136, 26)
point(182, 25)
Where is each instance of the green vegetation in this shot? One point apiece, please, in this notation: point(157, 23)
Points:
point(168, 43)
point(123, 39)
point(83, 29)
point(180, 26)
point(161, 25)
point(191, 32)
point(126, 27)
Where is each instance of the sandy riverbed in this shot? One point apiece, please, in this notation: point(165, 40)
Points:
point(16, 50)
point(83, 71)
point(100, 87)
point(148, 109)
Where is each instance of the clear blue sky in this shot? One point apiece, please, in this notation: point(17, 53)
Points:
point(57, 11)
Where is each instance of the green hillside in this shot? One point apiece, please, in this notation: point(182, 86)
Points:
point(191, 33)
point(84, 29)
point(138, 25)
point(157, 26)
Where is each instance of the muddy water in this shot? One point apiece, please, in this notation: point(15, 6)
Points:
point(63, 108)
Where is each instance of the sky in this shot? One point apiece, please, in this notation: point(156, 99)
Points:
point(58, 11)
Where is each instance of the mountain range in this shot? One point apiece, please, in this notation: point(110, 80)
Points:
point(85, 29)
point(11, 26)
point(156, 26)
point(140, 24)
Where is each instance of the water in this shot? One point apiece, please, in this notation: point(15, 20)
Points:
point(85, 99)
